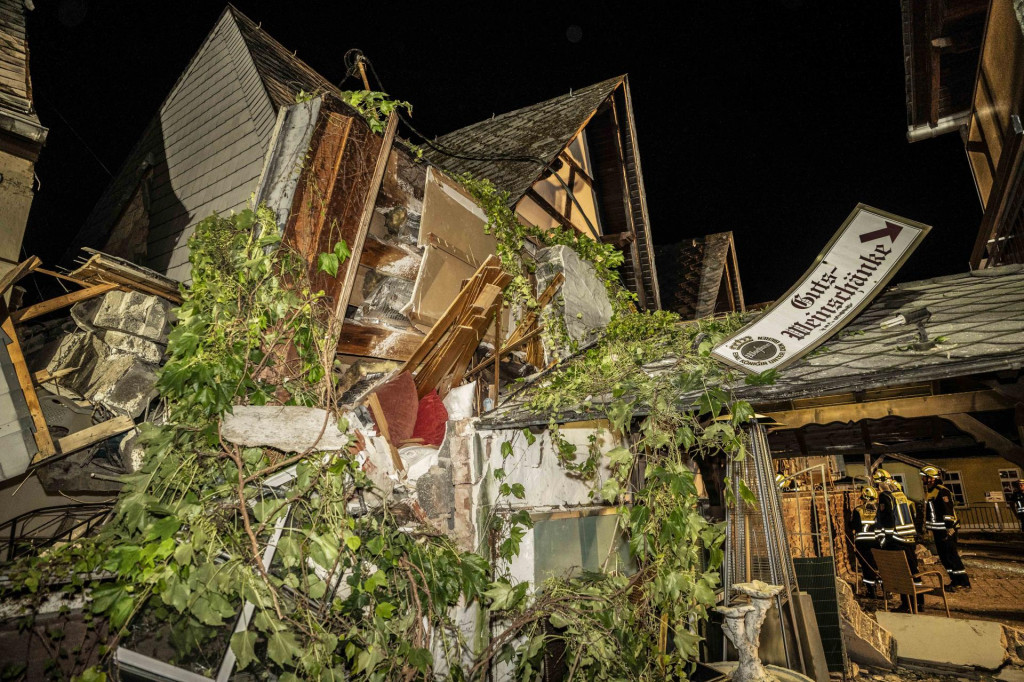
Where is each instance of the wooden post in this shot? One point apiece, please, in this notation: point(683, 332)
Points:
point(497, 353)
point(44, 443)
point(373, 402)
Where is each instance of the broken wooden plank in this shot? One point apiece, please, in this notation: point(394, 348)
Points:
point(525, 327)
point(479, 323)
point(42, 376)
point(102, 267)
point(988, 436)
point(428, 378)
point(44, 443)
point(373, 403)
point(95, 434)
point(505, 350)
point(922, 406)
point(390, 260)
point(374, 341)
point(355, 241)
point(74, 280)
point(22, 269)
point(439, 329)
point(59, 302)
point(497, 356)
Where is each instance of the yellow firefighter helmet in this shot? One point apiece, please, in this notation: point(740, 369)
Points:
point(881, 475)
point(869, 494)
point(930, 471)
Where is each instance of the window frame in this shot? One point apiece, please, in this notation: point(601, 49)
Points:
point(960, 498)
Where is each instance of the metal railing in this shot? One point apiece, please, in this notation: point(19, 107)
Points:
point(31, 531)
point(993, 516)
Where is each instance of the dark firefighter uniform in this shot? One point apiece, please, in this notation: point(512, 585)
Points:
point(894, 528)
point(864, 538)
point(940, 518)
point(1016, 501)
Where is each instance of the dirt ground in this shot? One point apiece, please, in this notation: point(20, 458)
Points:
point(995, 564)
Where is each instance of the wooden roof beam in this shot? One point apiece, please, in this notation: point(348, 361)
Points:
point(921, 406)
point(992, 439)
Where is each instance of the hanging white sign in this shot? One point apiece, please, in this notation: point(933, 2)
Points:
point(856, 264)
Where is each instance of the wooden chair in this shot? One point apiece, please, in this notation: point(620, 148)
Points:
point(894, 572)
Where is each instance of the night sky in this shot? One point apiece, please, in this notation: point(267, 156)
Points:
point(770, 118)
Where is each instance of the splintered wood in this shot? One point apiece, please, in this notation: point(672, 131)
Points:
point(528, 331)
point(442, 358)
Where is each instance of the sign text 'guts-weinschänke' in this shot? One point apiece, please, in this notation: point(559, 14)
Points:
point(856, 264)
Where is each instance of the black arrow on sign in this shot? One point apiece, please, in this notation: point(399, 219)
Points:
point(891, 230)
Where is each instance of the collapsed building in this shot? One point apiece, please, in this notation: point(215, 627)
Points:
point(422, 322)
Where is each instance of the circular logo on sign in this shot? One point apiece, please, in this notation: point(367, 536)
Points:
point(761, 349)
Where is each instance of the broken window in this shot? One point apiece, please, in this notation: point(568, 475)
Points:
point(568, 543)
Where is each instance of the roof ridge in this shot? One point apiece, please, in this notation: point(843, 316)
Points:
point(267, 53)
point(537, 105)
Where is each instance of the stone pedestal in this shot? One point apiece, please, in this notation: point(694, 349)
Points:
point(742, 626)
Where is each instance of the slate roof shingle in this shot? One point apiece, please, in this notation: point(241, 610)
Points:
point(204, 148)
point(541, 130)
point(979, 315)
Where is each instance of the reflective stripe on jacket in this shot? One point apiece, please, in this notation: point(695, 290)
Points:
point(940, 510)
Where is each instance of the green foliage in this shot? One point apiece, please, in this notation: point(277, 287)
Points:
point(511, 235)
point(330, 262)
point(375, 107)
point(346, 597)
point(611, 623)
point(363, 596)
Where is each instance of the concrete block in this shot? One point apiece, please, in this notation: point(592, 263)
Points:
point(286, 428)
point(810, 638)
point(929, 639)
point(583, 301)
point(123, 384)
point(140, 347)
point(131, 312)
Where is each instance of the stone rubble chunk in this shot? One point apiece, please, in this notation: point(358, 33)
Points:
point(287, 428)
point(583, 300)
point(122, 383)
point(131, 312)
point(866, 641)
point(140, 347)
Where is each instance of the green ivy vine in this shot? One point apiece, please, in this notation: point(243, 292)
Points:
point(511, 237)
point(358, 589)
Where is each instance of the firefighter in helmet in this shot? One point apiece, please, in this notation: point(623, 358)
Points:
point(894, 526)
point(1016, 502)
point(940, 518)
point(863, 524)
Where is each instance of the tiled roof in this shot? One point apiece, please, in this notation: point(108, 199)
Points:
point(16, 108)
point(15, 84)
point(542, 130)
point(977, 316)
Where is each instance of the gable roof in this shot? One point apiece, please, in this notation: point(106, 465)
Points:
point(282, 73)
point(692, 272)
point(541, 130)
point(203, 151)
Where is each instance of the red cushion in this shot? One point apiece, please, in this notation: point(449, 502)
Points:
point(431, 419)
point(399, 403)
